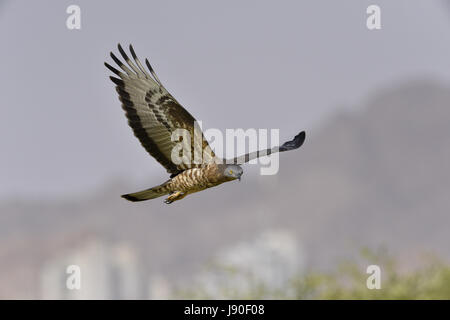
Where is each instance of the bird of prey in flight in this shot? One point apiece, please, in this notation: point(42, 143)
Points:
point(154, 114)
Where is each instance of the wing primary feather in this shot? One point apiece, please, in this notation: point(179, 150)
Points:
point(127, 59)
point(120, 64)
point(133, 54)
point(138, 62)
point(117, 72)
point(295, 143)
point(152, 72)
point(117, 81)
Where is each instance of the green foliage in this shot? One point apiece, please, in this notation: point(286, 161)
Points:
point(430, 281)
point(348, 281)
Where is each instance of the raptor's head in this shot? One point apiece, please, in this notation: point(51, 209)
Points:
point(233, 171)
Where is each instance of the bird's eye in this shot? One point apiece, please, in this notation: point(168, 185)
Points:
point(231, 171)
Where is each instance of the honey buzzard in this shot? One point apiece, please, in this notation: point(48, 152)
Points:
point(154, 115)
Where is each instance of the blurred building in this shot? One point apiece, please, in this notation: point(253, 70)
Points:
point(159, 288)
point(270, 260)
point(107, 271)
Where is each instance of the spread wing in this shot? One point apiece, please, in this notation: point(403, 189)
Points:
point(154, 114)
point(287, 146)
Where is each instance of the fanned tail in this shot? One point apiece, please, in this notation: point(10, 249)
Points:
point(147, 194)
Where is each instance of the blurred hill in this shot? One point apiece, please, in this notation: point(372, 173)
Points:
point(376, 176)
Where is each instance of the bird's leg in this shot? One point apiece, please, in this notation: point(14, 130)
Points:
point(177, 195)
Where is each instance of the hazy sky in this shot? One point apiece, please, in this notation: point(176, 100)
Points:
point(262, 64)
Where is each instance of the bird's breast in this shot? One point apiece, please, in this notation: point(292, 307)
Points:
point(195, 179)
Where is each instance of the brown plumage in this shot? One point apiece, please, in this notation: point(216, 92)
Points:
point(154, 115)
